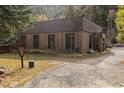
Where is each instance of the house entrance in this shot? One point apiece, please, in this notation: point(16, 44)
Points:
point(95, 42)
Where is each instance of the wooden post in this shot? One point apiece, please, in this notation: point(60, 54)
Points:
point(22, 66)
point(21, 53)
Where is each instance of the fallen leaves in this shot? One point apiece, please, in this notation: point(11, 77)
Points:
point(18, 77)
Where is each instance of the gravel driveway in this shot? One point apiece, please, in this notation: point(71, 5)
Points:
point(105, 71)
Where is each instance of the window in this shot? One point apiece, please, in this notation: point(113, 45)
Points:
point(70, 41)
point(35, 41)
point(51, 41)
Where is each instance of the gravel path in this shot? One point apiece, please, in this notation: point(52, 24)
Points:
point(104, 71)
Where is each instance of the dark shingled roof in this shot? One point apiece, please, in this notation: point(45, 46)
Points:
point(66, 25)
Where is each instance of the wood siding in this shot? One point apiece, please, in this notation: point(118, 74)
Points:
point(85, 42)
point(81, 40)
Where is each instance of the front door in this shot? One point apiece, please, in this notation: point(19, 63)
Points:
point(35, 41)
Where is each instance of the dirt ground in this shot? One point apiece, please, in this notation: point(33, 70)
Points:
point(104, 71)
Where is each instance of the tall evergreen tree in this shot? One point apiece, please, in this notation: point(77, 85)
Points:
point(13, 19)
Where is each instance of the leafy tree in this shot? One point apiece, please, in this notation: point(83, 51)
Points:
point(73, 11)
point(120, 23)
point(99, 16)
point(13, 19)
point(51, 11)
point(87, 11)
point(54, 12)
point(41, 18)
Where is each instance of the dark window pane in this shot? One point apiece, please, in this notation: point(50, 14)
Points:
point(70, 41)
point(51, 41)
point(35, 41)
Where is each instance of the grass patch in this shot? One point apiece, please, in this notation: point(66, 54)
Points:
point(18, 77)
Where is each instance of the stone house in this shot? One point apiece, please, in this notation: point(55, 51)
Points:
point(61, 35)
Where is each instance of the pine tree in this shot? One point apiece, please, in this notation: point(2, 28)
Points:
point(14, 19)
